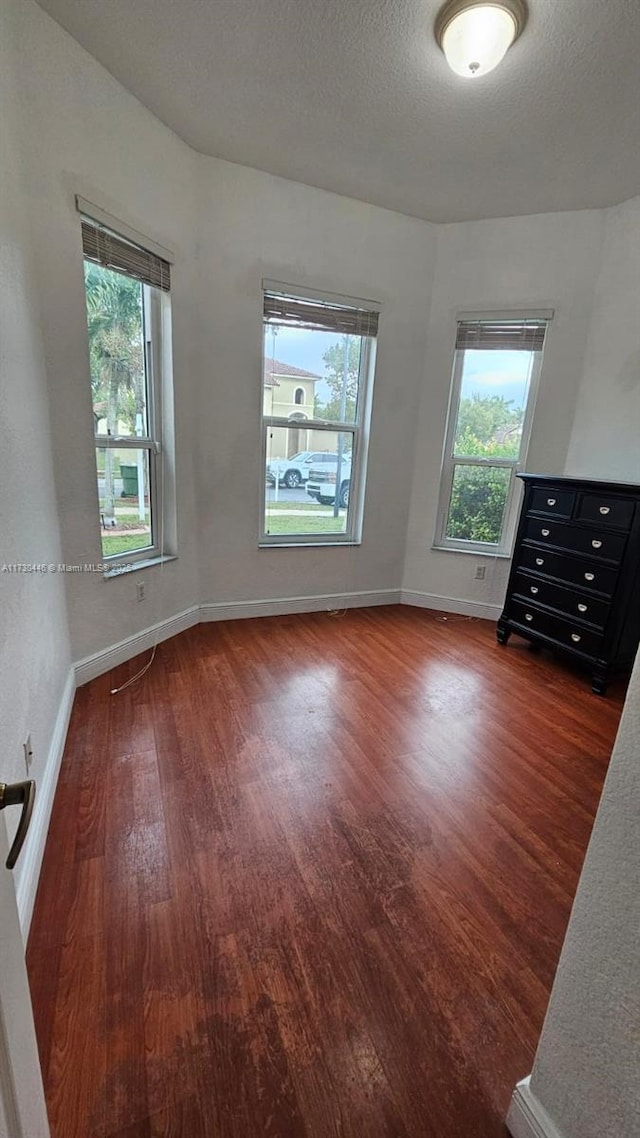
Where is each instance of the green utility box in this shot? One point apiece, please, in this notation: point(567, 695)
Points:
point(129, 481)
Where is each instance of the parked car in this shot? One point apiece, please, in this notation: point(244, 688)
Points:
point(292, 472)
point(321, 482)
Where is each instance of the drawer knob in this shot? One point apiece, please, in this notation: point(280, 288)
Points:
point(605, 509)
point(582, 608)
point(551, 501)
point(528, 616)
point(589, 576)
point(545, 532)
point(596, 544)
point(539, 560)
point(576, 636)
point(534, 588)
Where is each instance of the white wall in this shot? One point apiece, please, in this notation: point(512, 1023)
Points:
point(34, 645)
point(525, 263)
point(605, 439)
point(253, 225)
point(586, 1069)
point(84, 133)
point(229, 227)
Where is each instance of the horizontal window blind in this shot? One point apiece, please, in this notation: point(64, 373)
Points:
point(300, 312)
point(501, 335)
point(113, 252)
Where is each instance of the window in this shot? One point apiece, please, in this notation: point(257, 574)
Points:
point(318, 352)
point(126, 292)
point(495, 378)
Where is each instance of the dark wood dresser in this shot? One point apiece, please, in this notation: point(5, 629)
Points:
point(575, 579)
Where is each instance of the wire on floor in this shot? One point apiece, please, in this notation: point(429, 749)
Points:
point(145, 668)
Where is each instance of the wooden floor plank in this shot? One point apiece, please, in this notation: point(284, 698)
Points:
point(310, 879)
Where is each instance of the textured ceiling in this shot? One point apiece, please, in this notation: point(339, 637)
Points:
point(354, 96)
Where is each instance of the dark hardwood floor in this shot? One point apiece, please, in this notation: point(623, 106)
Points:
point(311, 877)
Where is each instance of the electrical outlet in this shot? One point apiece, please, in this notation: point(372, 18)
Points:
point(141, 591)
point(28, 752)
point(480, 573)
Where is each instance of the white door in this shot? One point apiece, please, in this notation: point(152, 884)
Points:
point(22, 1108)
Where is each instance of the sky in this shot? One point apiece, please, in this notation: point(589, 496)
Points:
point(487, 373)
point(497, 373)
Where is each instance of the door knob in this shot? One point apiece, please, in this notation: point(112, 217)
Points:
point(18, 794)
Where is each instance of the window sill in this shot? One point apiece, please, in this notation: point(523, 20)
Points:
point(472, 552)
point(122, 569)
point(308, 544)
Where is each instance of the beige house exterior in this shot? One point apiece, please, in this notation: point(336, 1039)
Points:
point(289, 393)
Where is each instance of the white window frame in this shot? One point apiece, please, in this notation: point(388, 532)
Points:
point(151, 443)
point(504, 547)
point(358, 430)
point(156, 309)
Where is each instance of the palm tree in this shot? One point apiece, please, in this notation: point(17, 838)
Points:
point(116, 349)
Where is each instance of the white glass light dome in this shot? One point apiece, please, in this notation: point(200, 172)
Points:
point(476, 36)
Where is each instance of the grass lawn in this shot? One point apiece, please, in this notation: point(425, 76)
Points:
point(122, 543)
point(325, 523)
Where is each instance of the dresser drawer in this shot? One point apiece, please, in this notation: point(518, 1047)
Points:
point(558, 503)
point(565, 632)
point(605, 511)
point(586, 574)
point(583, 607)
point(595, 542)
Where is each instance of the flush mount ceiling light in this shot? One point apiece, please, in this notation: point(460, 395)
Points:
point(476, 34)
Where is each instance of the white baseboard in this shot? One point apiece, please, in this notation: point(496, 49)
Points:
point(31, 859)
point(320, 602)
point(527, 1118)
point(450, 604)
point(131, 646)
point(98, 663)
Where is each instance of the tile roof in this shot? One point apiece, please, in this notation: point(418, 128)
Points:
point(275, 368)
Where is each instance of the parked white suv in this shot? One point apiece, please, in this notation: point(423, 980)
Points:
point(292, 472)
point(321, 483)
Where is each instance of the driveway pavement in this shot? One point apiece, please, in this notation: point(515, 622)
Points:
point(299, 495)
